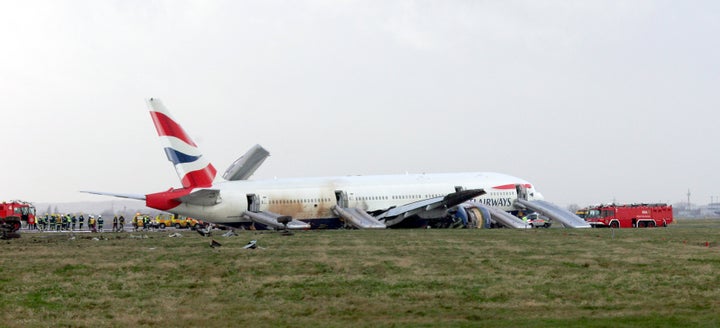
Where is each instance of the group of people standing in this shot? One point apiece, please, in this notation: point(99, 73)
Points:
point(68, 222)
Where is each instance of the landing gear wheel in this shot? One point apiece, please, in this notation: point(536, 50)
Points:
point(472, 222)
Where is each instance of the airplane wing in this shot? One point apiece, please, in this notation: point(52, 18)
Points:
point(203, 197)
point(397, 214)
point(130, 196)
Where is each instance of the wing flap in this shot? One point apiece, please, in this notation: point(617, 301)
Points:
point(202, 197)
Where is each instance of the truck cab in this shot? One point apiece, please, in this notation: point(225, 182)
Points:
point(15, 212)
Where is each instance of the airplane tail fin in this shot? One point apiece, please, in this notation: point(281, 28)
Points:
point(192, 168)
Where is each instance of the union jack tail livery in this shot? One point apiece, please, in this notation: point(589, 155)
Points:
point(192, 168)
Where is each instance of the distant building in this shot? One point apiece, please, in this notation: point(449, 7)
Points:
point(711, 210)
point(682, 210)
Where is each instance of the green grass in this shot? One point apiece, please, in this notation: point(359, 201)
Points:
point(400, 278)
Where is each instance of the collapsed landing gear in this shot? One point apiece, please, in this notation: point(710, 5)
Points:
point(464, 218)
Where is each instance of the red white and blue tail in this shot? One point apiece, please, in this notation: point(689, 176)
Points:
point(192, 168)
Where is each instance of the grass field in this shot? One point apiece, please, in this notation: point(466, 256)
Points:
point(495, 278)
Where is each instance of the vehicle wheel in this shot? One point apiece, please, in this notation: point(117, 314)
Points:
point(177, 225)
point(546, 225)
point(614, 224)
point(162, 225)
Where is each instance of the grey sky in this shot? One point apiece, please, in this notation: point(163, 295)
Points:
point(589, 100)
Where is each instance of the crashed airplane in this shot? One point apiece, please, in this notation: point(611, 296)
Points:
point(470, 200)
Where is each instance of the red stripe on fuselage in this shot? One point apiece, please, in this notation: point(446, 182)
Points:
point(512, 186)
point(167, 127)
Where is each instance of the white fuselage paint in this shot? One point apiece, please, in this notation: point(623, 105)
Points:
point(312, 198)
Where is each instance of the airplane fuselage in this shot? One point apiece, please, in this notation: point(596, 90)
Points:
point(475, 199)
point(311, 199)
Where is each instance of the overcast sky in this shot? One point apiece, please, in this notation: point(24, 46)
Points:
point(591, 101)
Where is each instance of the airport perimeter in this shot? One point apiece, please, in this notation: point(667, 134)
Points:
point(497, 278)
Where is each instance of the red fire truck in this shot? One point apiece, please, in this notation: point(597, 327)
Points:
point(13, 213)
point(630, 216)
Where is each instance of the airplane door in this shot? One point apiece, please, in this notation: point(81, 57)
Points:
point(521, 192)
point(253, 203)
point(341, 198)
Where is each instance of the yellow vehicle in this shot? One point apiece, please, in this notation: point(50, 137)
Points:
point(163, 221)
point(582, 213)
point(183, 222)
point(192, 223)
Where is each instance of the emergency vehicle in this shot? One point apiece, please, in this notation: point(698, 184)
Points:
point(630, 216)
point(180, 221)
point(14, 212)
point(582, 213)
point(536, 220)
point(163, 221)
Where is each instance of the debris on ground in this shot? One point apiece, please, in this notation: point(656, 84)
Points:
point(230, 233)
point(251, 245)
point(175, 235)
point(204, 232)
point(214, 244)
point(139, 237)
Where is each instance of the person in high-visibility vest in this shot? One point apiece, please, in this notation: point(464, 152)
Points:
point(100, 222)
point(91, 223)
point(122, 223)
